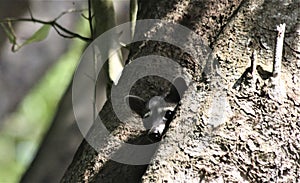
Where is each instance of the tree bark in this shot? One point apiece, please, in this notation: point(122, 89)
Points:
point(226, 129)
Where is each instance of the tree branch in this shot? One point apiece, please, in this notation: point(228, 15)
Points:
point(90, 18)
point(53, 23)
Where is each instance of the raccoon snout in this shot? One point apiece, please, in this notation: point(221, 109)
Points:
point(156, 132)
point(154, 136)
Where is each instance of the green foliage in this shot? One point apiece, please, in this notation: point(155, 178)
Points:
point(9, 31)
point(23, 130)
point(39, 35)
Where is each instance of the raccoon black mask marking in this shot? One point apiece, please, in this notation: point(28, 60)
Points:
point(158, 112)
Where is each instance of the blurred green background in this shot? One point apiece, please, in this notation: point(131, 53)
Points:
point(22, 131)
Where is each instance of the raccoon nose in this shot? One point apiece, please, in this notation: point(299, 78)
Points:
point(155, 136)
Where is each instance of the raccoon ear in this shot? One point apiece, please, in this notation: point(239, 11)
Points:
point(177, 90)
point(137, 104)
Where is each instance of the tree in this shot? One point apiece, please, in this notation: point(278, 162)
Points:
point(255, 138)
point(247, 131)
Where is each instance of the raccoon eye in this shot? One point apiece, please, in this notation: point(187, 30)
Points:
point(169, 114)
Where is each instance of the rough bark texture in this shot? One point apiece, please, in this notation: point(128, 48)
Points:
point(259, 141)
point(256, 137)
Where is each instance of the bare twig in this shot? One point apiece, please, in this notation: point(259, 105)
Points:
point(264, 28)
point(278, 51)
point(253, 62)
point(71, 33)
point(290, 47)
point(90, 18)
point(61, 34)
point(29, 10)
point(95, 83)
point(85, 17)
point(67, 12)
point(253, 59)
point(277, 90)
point(58, 28)
point(133, 15)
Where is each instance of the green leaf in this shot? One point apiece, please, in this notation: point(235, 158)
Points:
point(39, 35)
point(9, 32)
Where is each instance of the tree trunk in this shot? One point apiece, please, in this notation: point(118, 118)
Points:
point(234, 123)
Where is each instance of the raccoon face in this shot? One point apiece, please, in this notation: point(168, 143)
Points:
point(159, 111)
